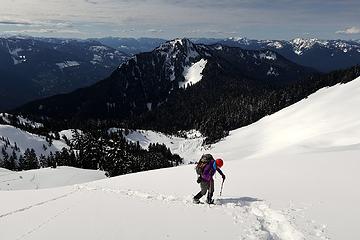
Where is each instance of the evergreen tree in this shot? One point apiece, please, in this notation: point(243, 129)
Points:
point(21, 164)
point(30, 159)
point(43, 161)
point(51, 160)
point(5, 158)
point(11, 163)
point(2, 163)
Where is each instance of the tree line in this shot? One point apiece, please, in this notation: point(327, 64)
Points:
point(96, 149)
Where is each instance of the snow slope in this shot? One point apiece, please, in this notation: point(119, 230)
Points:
point(26, 140)
point(290, 176)
point(46, 178)
point(193, 74)
point(325, 121)
point(188, 148)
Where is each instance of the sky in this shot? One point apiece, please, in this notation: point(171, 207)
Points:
point(255, 19)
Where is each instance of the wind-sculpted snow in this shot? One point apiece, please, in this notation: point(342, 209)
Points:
point(239, 217)
point(266, 223)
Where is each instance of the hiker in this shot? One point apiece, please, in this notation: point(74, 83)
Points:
point(206, 169)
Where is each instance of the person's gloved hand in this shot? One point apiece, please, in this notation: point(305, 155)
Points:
point(198, 179)
point(223, 177)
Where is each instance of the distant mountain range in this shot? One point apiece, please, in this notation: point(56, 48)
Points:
point(181, 85)
point(322, 55)
point(32, 68)
point(149, 80)
point(131, 45)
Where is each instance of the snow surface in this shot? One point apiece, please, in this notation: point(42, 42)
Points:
point(149, 106)
point(268, 55)
point(67, 64)
point(193, 74)
point(47, 178)
point(17, 59)
point(290, 176)
point(272, 72)
point(21, 120)
point(275, 44)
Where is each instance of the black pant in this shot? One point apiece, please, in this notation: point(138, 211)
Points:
point(206, 187)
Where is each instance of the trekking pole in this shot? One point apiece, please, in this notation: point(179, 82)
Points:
point(222, 184)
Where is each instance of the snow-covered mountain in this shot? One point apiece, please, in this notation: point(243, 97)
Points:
point(322, 55)
point(147, 80)
point(290, 176)
point(31, 68)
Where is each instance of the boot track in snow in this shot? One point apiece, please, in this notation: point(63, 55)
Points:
point(256, 219)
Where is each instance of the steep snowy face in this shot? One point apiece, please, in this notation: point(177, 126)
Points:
point(193, 74)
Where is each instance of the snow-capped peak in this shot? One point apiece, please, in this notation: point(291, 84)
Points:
point(302, 44)
point(275, 44)
point(178, 53)
point(174, 48)
point(242, 40)
point(178, 41)
point(175, 43)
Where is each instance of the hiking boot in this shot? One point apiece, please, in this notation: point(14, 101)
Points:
point(210, 201)
point(196, 201)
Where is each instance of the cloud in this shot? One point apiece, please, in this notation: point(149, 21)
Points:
point(172, 18)
point(92, 1)
point(44, 31)
point(351, 30)
point(10, 22)
point(155, 30)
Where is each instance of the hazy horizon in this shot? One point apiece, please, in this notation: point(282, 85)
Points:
point(169, 19)
point(167, 39)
